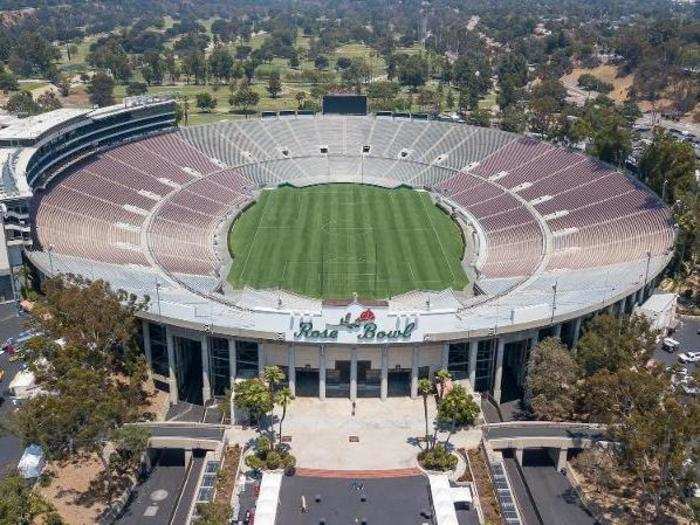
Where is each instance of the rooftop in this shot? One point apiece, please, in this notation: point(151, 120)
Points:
point(33, 127)
point(342, 500)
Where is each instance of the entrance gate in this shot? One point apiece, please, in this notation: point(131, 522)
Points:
point(188, 359)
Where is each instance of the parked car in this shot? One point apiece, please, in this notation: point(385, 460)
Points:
point(690, 388)
point(670, 344)
point(689, 357)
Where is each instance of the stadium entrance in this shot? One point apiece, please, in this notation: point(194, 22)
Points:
point(188, 358)
point(307, 381)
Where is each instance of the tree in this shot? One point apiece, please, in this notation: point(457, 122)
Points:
point(427, 99)
point(457, 409)
point(357, 74)
point(514, 119)
point(20, 504)
point(612, 140)
point(8, 82)
point(130, 443)
point(254, 396)
point(64, 85)
point(221, 63)
point(480, 117)
point(48, 101)
point(33, 55)
point(134, 89)
point(343, 63)
point(321, 62)
point(450, 99)
point(194, 65)
point(612, 343)
point(274, 84)
point(244, 97)
point(274, 376)
point(92, 315)
point(154, 68)
point(412, 71)
point(425, 389)
point(101, 89)
point(22, 104)
point(205, 101)
point(550, 383)
point(283, 398)
point(668, 166)
point(653, 427)
point(300, 96)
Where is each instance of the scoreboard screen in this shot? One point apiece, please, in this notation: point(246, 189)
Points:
point(345, 104)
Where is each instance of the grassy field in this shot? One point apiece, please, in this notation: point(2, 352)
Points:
point(334, 240)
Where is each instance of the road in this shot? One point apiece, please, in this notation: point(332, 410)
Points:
point(155, 499)
point(528, 513)
point(194, 431)
point(555, 498)
point(536, 431)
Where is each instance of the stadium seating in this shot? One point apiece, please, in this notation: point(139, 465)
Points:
point(541, 210)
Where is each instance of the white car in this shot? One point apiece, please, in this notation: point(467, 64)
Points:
point(689, 357)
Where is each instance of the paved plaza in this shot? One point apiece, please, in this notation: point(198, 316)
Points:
point(386, 432)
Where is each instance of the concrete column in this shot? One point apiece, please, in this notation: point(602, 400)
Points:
point(353, 374)
point(557, 330)
point(206, 384)
point(188, 456)
point(232, 361)
point(261, 358)
point(638, 296)
point(577, 331)
point(172, 378)
point(498, 376)
point(561, 458)
point(519, 456)
point(473, 350)
point(147, 344)
point(414, 372)
point(384, 392)
point(292, 371)
point(445, 356)
point(321, 372)
point(534, 339)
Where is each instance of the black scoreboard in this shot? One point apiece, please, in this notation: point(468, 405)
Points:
point(345, 104)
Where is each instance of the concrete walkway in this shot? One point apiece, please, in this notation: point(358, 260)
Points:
point(386, 433)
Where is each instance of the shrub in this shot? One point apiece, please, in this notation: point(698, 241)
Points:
point(437, 458)
point(268, 458)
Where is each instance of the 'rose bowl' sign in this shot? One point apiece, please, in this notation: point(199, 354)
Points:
point(364, 324)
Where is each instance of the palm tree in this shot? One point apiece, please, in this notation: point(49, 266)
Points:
point(274, 376)
point(283, 398)
point(425, 387)
point(441, 377)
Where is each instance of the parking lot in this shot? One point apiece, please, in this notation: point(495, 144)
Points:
point(687, 335)
point(10, 447)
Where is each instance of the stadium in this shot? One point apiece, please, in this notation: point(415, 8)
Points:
point(357, 252)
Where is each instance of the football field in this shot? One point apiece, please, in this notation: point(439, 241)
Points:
point(333, 240)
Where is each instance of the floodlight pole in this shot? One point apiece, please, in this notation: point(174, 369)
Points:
point(646, 273)
point(554, 301)
point(158, 295)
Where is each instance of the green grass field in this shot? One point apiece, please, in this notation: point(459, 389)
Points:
point(334, 240)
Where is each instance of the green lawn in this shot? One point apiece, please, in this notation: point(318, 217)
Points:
point(334, 240)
